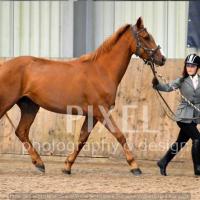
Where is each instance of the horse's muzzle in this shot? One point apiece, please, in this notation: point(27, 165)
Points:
point(160, 62)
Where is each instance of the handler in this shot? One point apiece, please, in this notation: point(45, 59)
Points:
point(187, 117)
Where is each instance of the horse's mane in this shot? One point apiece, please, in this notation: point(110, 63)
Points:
point(106, 45)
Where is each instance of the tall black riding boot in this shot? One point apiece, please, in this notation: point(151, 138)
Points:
point(196, 156)
point(163, 162)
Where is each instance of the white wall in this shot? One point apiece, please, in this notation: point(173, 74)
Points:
point(39, 28)
point(45, 28)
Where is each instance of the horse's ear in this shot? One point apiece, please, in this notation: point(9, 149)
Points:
point(139, 23)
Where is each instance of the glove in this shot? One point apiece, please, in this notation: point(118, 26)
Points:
point(155, 81)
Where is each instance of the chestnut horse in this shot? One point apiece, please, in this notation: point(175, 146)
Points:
point(92, 79)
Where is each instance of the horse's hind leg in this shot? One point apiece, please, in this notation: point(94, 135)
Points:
point(3, 111)
point(28, 112)
point(5, 105)
point(84, 134)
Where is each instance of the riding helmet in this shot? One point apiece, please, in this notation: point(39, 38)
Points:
point(193, 59)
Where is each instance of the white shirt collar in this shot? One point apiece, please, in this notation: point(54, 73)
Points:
point(195, 80)
point(194, 77)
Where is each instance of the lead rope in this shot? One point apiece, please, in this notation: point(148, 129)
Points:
point(173, 117)
point(178, 92)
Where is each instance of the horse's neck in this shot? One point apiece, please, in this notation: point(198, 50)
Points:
point(116, 61)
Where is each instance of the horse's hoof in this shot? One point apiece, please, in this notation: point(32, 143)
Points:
point(66, 171)
point(40, 167)
point(162, 169)
point(136, 172)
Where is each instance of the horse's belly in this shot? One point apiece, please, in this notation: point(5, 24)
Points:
point(56, 99)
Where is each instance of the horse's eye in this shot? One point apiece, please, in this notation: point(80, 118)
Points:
point(147, 37)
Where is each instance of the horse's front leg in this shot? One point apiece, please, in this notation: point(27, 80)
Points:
point(84, 134)
point(110, 124)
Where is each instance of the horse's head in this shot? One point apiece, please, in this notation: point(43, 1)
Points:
point(145, 46)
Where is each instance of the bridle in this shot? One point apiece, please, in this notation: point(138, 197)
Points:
point(150, 60)
point(139, 46)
